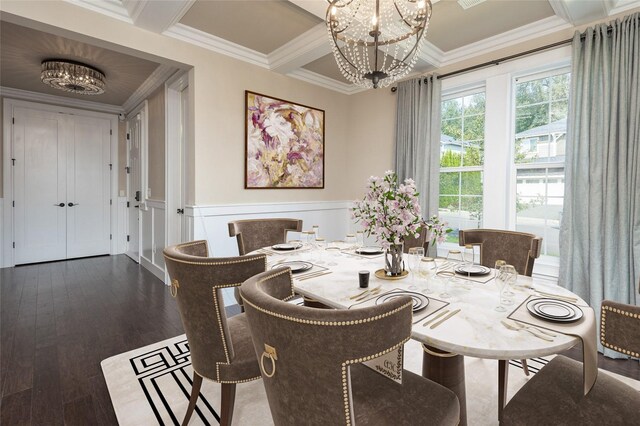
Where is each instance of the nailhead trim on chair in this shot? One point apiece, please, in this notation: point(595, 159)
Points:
point(345, 384)
point(603, 318)
point(329, 323)
point(231, 262)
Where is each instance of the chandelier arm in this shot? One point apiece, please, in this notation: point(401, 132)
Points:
point(409, 24)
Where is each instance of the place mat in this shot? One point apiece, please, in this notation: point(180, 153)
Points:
point(364, 256)
point(271, 252)
point(434, 304)
point(584, 329)
point(314, 269)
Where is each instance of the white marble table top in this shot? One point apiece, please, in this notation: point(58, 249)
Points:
point(475, 331)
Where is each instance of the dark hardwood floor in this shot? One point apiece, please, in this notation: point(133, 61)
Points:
point(59, 320)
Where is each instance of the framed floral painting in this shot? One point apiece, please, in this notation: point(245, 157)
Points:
point(284, 144)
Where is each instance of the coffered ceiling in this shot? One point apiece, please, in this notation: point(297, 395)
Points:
point(290, 37)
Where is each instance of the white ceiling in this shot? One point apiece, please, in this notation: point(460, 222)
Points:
point(290, 37)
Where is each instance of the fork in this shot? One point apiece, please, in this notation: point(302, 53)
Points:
point(520, 327)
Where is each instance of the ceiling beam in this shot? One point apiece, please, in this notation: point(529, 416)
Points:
point(157, 16)
point(300, 51)
point(582, 12)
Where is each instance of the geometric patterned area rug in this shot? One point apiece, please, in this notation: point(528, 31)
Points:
point(151, 385)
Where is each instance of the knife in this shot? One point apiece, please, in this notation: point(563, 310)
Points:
point(435, 318)
point(452, 313)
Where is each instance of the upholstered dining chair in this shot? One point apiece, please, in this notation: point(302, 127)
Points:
point(519, 249)
point(252, 234)
point(311, 361)
point(412, 241)
point(221, 347)
point(555, 394)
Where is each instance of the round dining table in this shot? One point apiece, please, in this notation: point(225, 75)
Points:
point(476, 330)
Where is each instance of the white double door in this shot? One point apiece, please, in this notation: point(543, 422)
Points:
point(61, 185)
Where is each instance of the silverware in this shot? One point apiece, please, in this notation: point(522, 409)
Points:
point(372, 293)
point(523, 326)
point(309, 274)
point(319, 274)
point(449, 315)
point(435, 318)
point(518, 328)
point(362, 293)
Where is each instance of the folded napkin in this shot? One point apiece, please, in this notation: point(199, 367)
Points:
point(584, 328)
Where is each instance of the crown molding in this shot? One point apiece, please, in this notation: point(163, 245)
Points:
point(624, 5)
point(10, 92)
point(431, 54)
point(300, 51)
point(519, 35)
point(217, 44)
point(134, 7)
point(155, 80)
point(326, 82)
point(111, 8)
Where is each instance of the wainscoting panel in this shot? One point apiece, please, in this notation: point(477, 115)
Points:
point(2, 261)
point(210, 222)
point(120, 234)
point(152, 214)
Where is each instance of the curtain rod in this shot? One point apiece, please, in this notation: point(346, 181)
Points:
point(504, 59)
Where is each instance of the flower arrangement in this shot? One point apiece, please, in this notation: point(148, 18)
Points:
point(389, 210)
point(438, 229)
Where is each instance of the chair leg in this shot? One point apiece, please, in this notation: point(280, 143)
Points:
point(193, 399)
point(525, 367)
point(228, 399)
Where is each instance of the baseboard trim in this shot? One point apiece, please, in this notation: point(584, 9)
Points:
point(154, 269)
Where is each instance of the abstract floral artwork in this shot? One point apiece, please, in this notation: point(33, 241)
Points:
point(284, 144)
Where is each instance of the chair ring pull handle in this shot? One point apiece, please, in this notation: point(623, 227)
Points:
point(273, 364)
point(174, 288)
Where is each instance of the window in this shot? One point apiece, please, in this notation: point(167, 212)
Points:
point(461, 161)
point(541, 105)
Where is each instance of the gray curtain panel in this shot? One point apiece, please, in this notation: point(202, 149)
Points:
point(600, 229)
point(418, 138)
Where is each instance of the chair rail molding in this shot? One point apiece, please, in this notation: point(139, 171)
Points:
point(209, 222)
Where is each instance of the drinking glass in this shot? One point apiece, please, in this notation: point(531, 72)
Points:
point(511, 276)
point(507, 292)
point(427, 270)
point(501, 281)
point(351, 241)
point(415, 255)
point(454, 256)
point(360, 239)
point(316, 230)
point(321, 244)
point(446, 277)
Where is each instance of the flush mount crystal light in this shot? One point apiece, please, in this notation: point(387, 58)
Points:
point(72, 77)
point(377, 42)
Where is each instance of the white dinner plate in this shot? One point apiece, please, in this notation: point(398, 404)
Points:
point(286, 246)
point(420, 301)
point(473, 270)
point(295, 265)
point(554, 310)
point(369, 250)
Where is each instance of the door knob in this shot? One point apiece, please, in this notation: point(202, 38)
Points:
point(71, 204)
point(59, 205)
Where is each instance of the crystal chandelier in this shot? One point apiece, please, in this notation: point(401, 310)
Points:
point(72, 77)
point(377, 42)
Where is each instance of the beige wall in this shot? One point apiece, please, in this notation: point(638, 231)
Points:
point(156, 145)
point(216, 145)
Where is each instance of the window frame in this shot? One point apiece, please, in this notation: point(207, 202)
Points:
point(499, 171)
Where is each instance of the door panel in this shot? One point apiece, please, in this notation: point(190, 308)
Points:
point(39, 176)
point(88, 188)
point(134, 186)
